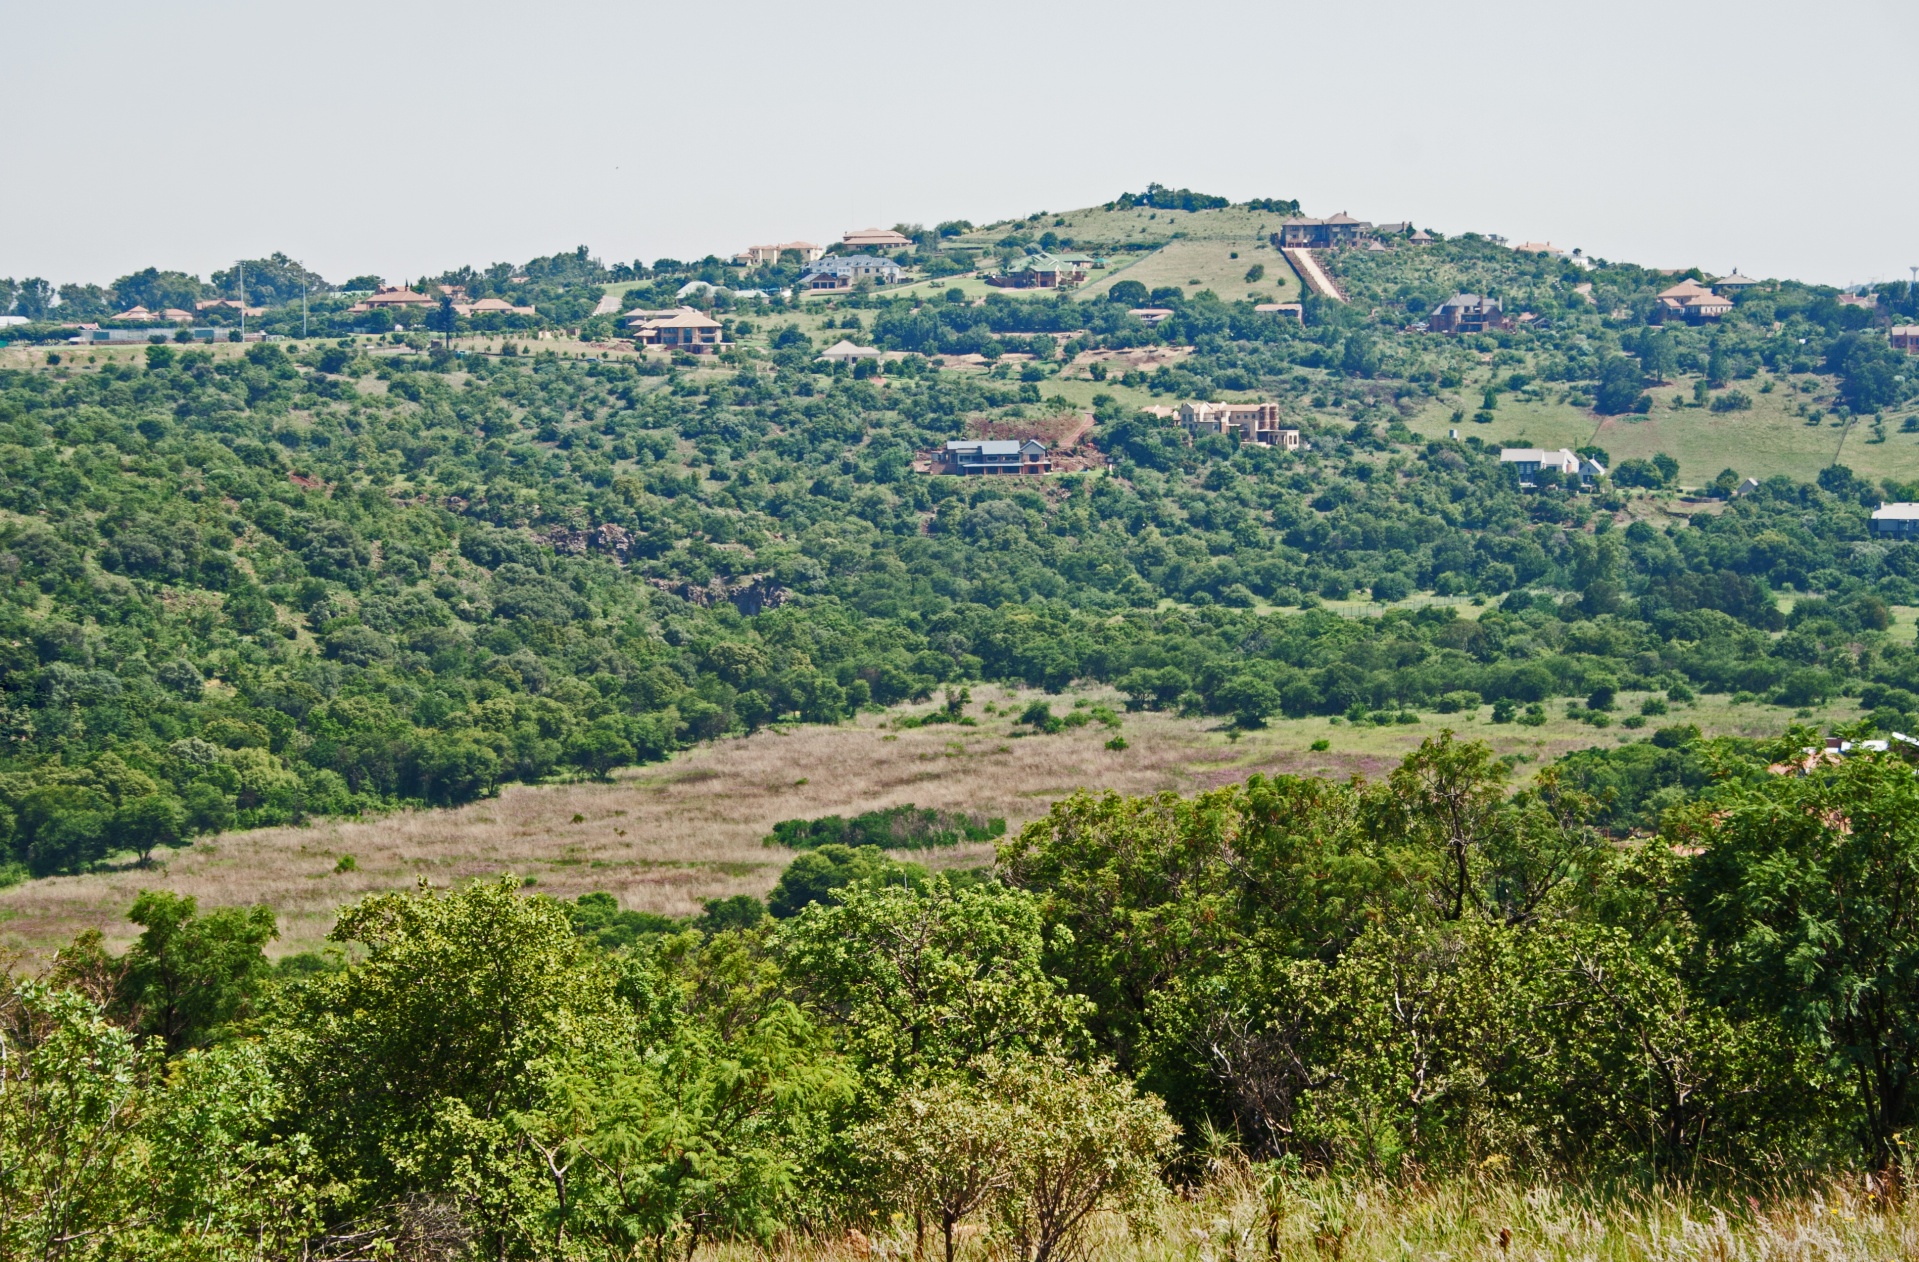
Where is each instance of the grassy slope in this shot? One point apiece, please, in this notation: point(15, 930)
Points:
point(1771, 438)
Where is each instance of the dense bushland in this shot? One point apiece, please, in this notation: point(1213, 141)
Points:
point(1426, 976)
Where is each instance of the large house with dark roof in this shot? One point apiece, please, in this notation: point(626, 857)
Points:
point(1468, 313)
point(974, 457)
point(1320, 234)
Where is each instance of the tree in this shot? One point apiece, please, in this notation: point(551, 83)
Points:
point(1803, 888)
point(1619, 386)
point(153, 819)
point(1249, 699)
point(1128, 293)
point(814, 876)
point(33, 299)
point(189, 976)
point(407, 1068)
point(692, 1136)
point(928, 979)
point(1084, 1140)
point(945, 1149)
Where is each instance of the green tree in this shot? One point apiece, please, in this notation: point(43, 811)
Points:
point(1084, 1141)
point(813, 877)
point(1804, 891)
point(189, 976)
point(407, 1067)
point(929, 978)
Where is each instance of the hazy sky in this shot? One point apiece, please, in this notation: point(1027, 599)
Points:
point(405, 138)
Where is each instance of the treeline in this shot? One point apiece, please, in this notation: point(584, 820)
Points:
point(1423, 976)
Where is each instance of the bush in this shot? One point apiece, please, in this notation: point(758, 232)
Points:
point(892, 828)
point(1391, 587)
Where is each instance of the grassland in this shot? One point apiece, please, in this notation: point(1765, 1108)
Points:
point(1777, 435)
point(1199, 264)
point(664, 838)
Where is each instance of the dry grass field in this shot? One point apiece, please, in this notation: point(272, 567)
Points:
point(664, 838)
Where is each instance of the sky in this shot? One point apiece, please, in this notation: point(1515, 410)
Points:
point(403, 139)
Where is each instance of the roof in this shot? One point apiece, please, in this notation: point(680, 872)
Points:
point(1707, 300)
point(1896, 512)
point(987, 446)
point(875, 236)
point(1343, 218)
point(1904, 330)
point(1684, 289)
point(1529, 455)
point(839, 264)
point(1462, 301)
point(1421, 235)
point(1537, 247)
point(400, 297)
point(682, 318)
point(1735, 280)
point(844, 349)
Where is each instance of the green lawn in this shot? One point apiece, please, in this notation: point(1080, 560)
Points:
point(1770, 438)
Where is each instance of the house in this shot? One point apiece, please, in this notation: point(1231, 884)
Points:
point(1421, 237)
point(173, 315)
point(1858, 300)
point(1689, 301)
point(1468, 313)
point(843, 271)
point(1896, 521)
point(138, 315)
point(397, 296)
point(1731, 285)
point(770, 255)
point(1904, 337)
point(1391, 229)
point(1320, 234)
point(500, 306)
point(1294, 310)
point(1150, 315)
point(684, 329)
point(1539, 247)
point(876, 239)
point(981, 456)
point(1253, 422)
point(1530, 460)
point(845, 352)
point(1039, 271)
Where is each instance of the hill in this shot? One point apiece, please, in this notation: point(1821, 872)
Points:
point(256, 584)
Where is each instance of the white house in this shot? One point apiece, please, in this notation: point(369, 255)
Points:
point(1896, 521)
point(1530, 460)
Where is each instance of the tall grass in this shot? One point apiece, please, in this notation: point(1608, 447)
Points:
point(1239, 1216)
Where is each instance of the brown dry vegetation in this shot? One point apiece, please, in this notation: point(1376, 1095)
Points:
point(666, 837)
